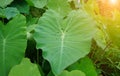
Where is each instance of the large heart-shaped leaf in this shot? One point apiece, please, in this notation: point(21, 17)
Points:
point(64, 41)
point(12, 43)
point(60, 6)
point(4, 3)
point(26, 68)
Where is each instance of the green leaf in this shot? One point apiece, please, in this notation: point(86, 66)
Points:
point(100, 38)
point(12, 43)
point(26, 68)
point(72, 73)
point(11, 12)
point(31, 24)
point(64, 41)
point(85, 64)
point(60, 6)
point(50, 74)
point(8, 12)
point(22, 6)
point(2, 13)
point(37, 3)
point(4, 3)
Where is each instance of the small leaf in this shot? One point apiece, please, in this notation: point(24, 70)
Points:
point(100, 39)
point(37, 3)
point(26, 68)
point(64, 41)
point(22, 6)
point(87, 67)
point(60, 6)
point(85, 64)
point(11, 12)
point(12, 43)
point(72, 73)
point(4, 3)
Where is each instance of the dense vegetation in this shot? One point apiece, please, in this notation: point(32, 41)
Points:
point(59, 38)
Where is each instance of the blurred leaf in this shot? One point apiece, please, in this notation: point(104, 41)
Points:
point(37, 3)
point(72, 73)
point(12, 43)
point(31, 24)
point(26, 68)
point(64, 41)
point(31, 20)
point(2, 13)
point(11, 12)
point(85, 64)
point(100, 39)
point(21, 5)
point(60, 6)
point(77, 3)
point(36, 12)
point(50, 74)
point(4, 3)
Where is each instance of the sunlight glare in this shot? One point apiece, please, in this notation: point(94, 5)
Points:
point(113, 2)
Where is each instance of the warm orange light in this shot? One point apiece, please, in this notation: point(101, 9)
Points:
point(113, 2)
point(107, 7)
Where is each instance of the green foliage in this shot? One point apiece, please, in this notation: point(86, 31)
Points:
point(9, 12)
point(60, 6)
point(59, 37)
point(25, 68)
point(72, 73)
point(22, 6)
point(2, 13)
point(62, 36)
point(85, 65)
point(100, 38)
point(12, 43)
point(37, 3)
point(4, 3)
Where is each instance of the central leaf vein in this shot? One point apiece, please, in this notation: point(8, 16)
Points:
point(62, 46)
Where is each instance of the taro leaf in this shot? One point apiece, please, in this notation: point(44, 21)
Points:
point(11, 12)
point(26, 68)
point(67, 73)
point(60, 6)
point(4, 3)
point(21, 5)
point(72, 73)
point(8, 12)
point(37, 3)
point(86, 65)
point(12, 43)
point(64, 41)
